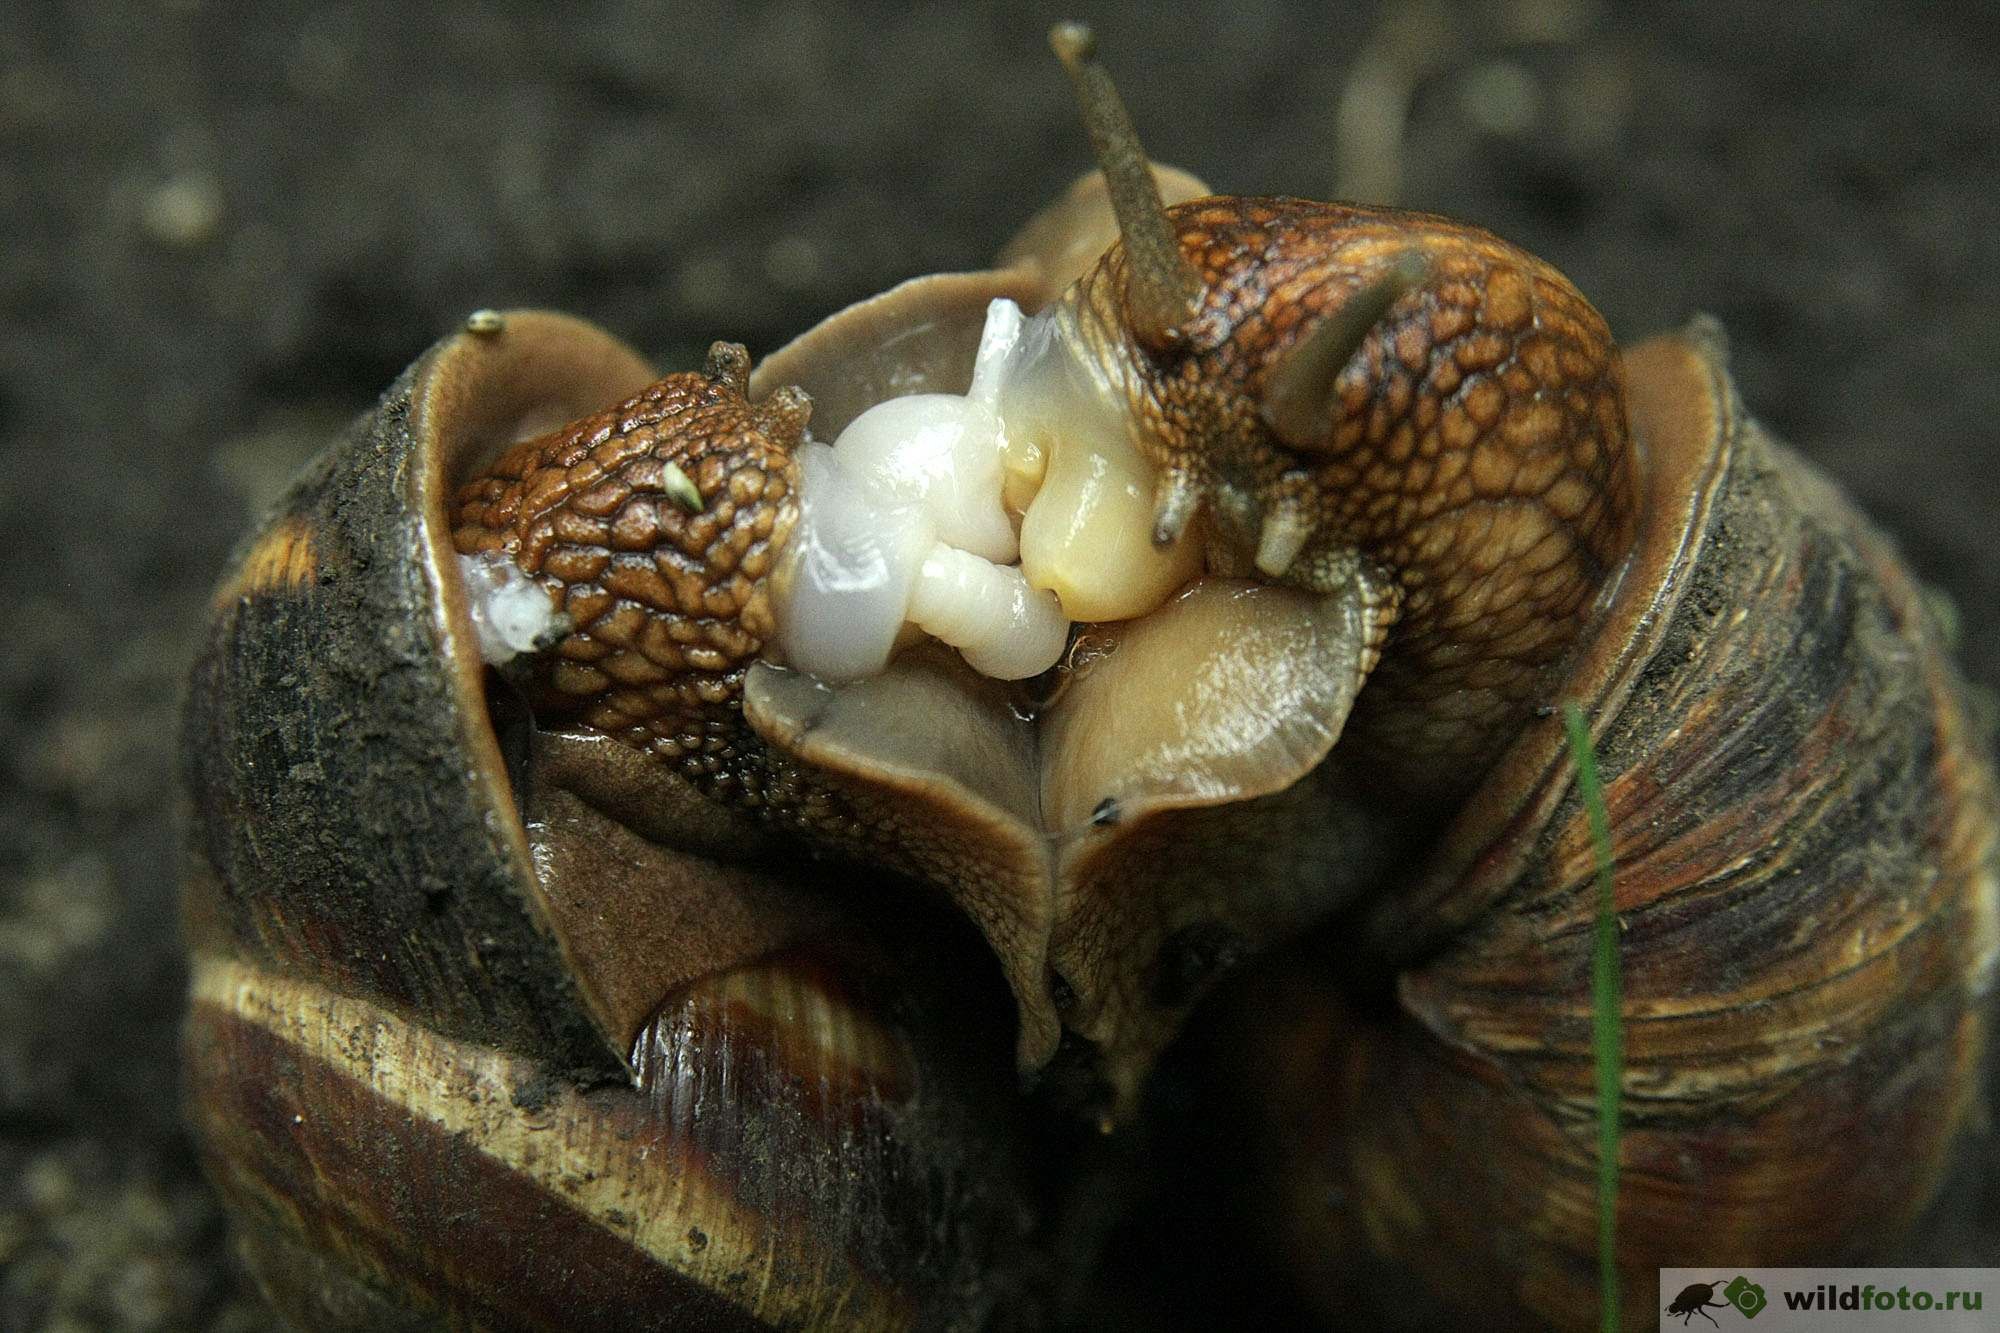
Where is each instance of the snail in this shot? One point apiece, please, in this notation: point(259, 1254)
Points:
point(648, 831)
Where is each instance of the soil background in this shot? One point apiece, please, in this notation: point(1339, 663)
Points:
point(225, 228)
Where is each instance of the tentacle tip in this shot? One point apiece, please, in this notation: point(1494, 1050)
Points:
point(1073, 42)
point(1282, 538)
point(561, 625)
point(785, 415)
point(1174, 504)
point(1411, 268)
point(728, 364)
point(1163, 335)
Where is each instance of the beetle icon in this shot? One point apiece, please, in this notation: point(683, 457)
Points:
point(1694, 1300)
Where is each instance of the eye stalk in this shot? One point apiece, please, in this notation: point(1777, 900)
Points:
point(1163, 290)
point(1299, 398)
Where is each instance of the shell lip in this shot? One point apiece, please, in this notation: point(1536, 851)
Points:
point(471, 395)
point(1685, 419)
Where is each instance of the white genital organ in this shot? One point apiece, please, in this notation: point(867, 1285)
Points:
point(990, 521)
point(511, 614)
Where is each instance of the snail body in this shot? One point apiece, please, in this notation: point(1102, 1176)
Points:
point(1343, 500)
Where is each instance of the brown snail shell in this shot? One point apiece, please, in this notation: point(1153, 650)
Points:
point(1804, 831)
point(1803, 821)
point(477, 1046)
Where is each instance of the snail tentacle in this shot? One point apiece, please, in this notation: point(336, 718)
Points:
point(1300, 396)
point(1163, 289)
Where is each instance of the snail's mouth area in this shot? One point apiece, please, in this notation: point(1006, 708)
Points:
point(1020, 695)
point(973, 593)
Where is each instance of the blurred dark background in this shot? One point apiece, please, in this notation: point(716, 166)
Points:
point(224, 228)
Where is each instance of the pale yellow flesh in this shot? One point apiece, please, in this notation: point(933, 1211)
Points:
point(1087, 533)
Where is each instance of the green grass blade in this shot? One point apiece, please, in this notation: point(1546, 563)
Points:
point(1607, 1024)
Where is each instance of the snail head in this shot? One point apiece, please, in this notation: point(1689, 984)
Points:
point(1333, 383)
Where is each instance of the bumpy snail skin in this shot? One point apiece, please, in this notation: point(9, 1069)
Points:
point(1475, 451)
point(1006, 814)
point(668, 612)
point(667, 607)
point(1473, 487)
